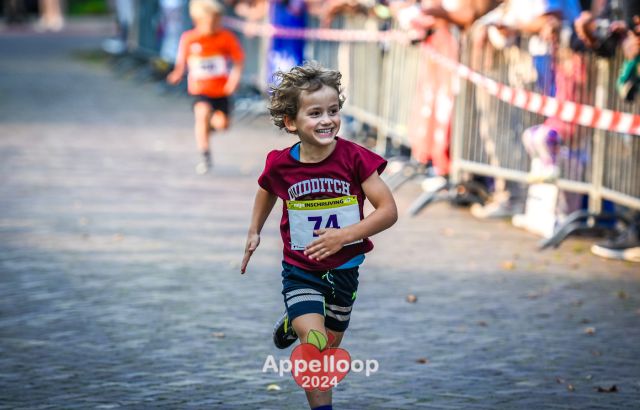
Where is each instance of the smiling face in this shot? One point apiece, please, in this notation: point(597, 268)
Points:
point(318, 118)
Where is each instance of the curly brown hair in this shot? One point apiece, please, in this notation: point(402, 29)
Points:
point(285, 92)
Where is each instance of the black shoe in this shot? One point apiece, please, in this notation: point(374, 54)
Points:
point(283, 333)
point(626, 246)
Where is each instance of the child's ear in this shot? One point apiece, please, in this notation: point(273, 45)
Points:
point(289, 124)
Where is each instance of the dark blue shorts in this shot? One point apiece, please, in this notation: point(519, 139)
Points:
point(329, 293)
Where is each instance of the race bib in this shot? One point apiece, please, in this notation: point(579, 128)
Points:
point(207, 67)
point(308, 216)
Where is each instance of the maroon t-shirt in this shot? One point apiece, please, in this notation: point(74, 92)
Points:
point(340, 174)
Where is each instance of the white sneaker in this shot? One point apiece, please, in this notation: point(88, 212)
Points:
point(492, 210)
point(202, 168)
point(434, 184)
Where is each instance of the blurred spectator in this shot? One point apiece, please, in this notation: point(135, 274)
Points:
point(51, 18)
point(430, 122)
point(542, 21)
point(462, 13)
point(285, 53)
point(543, 141)
point(605, 29)
point(173, 25)
point(333, 8)
point(601, 29)
point(252, 10)
point(124, 11)
point(629, 79)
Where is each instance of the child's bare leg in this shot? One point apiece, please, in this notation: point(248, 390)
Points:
point(219, 121)
point(202, 112)
point(303, 325)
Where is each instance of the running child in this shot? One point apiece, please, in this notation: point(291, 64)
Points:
point(205, 52)
point(323, 181)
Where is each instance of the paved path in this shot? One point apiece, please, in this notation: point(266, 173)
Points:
point(119, 272)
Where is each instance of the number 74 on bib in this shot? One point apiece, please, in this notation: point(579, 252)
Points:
point(305, 217)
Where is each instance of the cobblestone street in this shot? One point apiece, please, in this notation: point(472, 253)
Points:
point(120, 284)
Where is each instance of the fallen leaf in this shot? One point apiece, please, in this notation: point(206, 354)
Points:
point(559, 380)
point(596, 353)
point(422, 360)
point(482, 323)
point(579, 248)
point(622, 294)
point(588, 377)
point(570, 387)
point(612, 389)
point(585, 321)
point(590, 330)
point(508, 265)
point(273, 387)
point(219, 335)
point(118, 237)
point(411, 298)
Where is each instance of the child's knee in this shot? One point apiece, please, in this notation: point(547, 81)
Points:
point(219, 120)
point(304, 324)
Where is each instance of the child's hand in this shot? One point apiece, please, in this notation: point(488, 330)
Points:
point(174, 77)
point(253, 240)
point(331, 240)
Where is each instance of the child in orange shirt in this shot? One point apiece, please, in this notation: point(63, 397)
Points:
point(206, 51)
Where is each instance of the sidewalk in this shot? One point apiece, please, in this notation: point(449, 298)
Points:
point(120, 285)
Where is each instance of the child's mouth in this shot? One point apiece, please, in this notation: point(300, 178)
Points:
point(324, 132)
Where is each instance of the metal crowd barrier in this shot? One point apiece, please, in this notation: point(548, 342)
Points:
point(605, 165)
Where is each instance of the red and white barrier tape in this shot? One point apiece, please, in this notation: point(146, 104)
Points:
point(567, 111)
point(325, 34)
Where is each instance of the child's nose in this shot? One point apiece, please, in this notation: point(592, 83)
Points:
point(325, 118)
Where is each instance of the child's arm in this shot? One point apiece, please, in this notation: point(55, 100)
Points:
point(234, 79)
point(175, 76)
point(262, 207)
point(386, 214)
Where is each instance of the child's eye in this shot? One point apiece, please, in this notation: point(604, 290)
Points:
point(333, 111)
point(314, 113)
